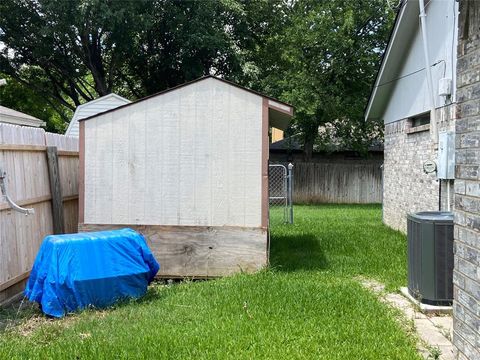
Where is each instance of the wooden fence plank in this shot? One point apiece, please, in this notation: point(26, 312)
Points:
point(67, 153)
point(23, 156)
point(351, 183)
point(37, 200)
point(14, 280)
point(62, 142)
point(31, 148)
point(56, 190)
point(27, 202)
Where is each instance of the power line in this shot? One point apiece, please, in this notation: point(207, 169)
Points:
point(438, 62)
point(413, 73)
point(400, 77)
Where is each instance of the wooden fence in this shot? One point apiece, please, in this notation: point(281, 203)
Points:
point(34, 180)
point(348, 182)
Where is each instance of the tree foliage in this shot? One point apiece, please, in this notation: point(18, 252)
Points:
point(21, 98)
point(323, 59)
point(71, 52)
point(183, 40)
point(319, 55)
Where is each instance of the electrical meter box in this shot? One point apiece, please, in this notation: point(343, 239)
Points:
point(445, 87)
point(446, 155)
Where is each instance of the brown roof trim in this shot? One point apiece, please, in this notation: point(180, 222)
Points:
point(186, 84)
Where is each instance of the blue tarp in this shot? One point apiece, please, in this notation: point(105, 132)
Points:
point(75, 271)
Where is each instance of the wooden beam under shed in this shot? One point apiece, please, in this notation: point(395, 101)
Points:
point(200, 251)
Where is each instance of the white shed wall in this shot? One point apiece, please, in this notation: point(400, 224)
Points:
point(410, 94)
point(94, 107)
point(192, 156)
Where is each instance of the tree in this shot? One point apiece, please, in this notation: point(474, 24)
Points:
point(323, 59)
point(70, 52)
point(19, 97)
point(183, 40)
point(320, 55)
point(72, 48)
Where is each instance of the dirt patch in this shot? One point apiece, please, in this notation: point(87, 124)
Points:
point(24, 317)
point(16, 313)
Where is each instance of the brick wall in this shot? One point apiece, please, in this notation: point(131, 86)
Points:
point(406, 187)
point(466, 276)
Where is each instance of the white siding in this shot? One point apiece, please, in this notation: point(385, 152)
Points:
point(192, 156)
point(94, 107)
point(410, 95)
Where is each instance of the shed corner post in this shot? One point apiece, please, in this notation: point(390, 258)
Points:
point(264, 173)
point(265, 156)
point(81, 172)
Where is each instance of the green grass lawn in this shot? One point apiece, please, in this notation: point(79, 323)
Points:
point(306, 306)
point(345, 240)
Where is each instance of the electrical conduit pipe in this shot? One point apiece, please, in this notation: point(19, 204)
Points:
point(433, 115)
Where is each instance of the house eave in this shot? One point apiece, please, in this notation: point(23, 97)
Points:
point(393, 58)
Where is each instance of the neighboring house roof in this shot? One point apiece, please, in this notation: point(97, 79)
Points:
point(279, 118)
point(294, 143)
point(94, 107)
point(15, 117)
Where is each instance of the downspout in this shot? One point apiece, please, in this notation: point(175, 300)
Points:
point(433, 115)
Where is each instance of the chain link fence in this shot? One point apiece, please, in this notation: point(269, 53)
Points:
point(280, 188)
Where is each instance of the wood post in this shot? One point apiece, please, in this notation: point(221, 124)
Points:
point(56, 191)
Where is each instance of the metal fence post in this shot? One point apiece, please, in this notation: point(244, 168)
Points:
point(290, 190)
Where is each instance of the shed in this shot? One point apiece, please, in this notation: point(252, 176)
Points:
point(99, 105)
point(187, 167)
point(10, 116)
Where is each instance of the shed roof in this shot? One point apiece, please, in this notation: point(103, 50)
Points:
point(279, 115)
point(11, 116)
